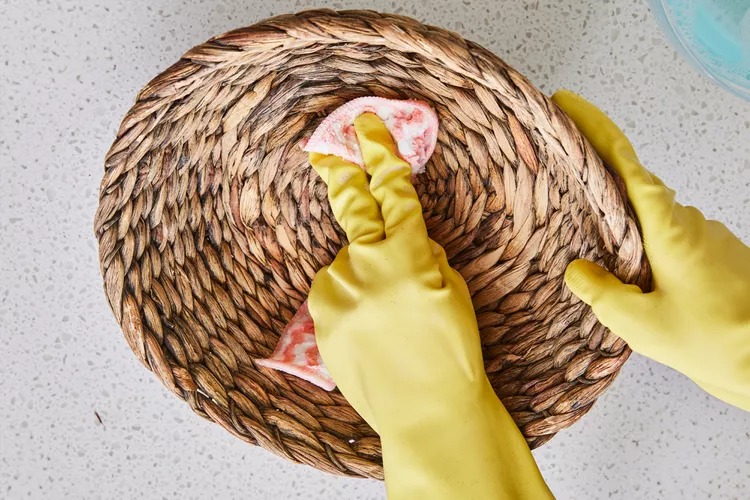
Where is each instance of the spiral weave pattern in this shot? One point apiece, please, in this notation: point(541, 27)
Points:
point(212, 225)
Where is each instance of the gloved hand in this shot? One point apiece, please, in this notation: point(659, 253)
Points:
point(396, 328)
point(697, 318)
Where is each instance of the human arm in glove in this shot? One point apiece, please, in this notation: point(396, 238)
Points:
point(396, 327)
point(697, 317)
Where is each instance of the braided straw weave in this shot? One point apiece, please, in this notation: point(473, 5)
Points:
point(212, 225)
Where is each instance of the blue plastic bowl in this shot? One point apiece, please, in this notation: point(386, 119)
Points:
point(714, 35)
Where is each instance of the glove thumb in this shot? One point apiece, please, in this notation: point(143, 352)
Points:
point(614, 303)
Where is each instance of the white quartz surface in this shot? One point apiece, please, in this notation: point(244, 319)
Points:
point(69, 70)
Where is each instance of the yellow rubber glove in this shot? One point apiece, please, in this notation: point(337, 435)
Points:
point(697, 318)
point(396, 328)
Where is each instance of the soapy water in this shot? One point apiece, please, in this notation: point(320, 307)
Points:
point(714, 34)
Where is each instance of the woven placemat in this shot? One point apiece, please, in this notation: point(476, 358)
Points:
point(212, 225)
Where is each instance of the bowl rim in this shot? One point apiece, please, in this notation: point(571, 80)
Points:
point(678, 42)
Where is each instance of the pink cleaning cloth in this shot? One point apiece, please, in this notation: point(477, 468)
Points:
point(297, 353)
point(413, 125)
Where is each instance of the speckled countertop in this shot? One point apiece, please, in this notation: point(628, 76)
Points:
point(68, 72)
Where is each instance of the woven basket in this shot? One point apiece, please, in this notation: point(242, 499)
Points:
point(212, 225)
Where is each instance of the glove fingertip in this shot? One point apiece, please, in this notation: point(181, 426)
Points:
point(565, 95)
point(371, 129)
point(585, 279)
